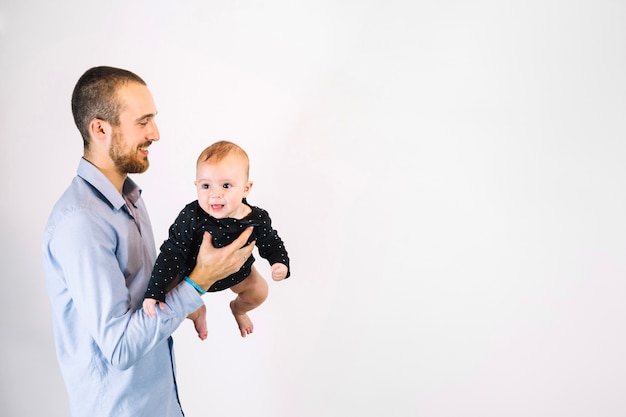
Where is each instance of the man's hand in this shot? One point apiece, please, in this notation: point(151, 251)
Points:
point(214, 264)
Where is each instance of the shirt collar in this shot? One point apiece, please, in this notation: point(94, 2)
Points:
point(99, 181)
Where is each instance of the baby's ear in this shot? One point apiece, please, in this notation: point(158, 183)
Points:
point(247, 187)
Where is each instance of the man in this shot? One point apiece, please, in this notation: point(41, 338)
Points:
point(98, 252)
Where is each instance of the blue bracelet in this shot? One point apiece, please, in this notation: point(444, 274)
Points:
point(196, 286)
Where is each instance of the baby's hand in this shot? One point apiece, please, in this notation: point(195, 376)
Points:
point(279, 272)
point(148, 306)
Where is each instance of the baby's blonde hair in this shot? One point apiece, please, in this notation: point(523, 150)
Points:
point(220, 150)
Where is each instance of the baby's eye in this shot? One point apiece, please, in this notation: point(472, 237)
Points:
point(205, 186)
point(227, 185)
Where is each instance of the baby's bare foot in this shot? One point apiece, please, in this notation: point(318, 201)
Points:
point(243, 321)
point(199, 322)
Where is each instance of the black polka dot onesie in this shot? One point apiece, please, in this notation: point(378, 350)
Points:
point(179, 252)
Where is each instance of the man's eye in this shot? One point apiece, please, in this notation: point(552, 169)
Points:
point(227, 185)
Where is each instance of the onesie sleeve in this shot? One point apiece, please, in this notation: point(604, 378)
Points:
point(270, 245)
point(171, 263)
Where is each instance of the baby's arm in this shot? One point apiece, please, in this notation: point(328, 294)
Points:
point(148, 306)
point(279, 271)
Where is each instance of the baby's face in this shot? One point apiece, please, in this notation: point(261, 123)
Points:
point(221, 186)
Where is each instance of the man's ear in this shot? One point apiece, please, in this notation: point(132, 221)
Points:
point(99, 129)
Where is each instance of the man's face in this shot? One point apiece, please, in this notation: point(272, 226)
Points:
point(136, 131)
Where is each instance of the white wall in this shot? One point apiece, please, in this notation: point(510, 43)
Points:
point(448, 177)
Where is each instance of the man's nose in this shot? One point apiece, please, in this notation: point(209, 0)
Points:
point(153, 133)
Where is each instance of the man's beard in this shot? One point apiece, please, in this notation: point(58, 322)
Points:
point(126, 162)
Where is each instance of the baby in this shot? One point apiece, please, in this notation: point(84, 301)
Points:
point(221, 209)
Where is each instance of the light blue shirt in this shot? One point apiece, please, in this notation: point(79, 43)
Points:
point(98, 253)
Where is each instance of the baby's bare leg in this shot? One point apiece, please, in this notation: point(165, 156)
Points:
point(251, 293)
point(199, 321)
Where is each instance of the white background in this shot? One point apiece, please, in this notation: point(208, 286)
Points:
point(448, 177)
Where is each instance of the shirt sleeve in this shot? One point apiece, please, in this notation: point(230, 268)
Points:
point(99, 291)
